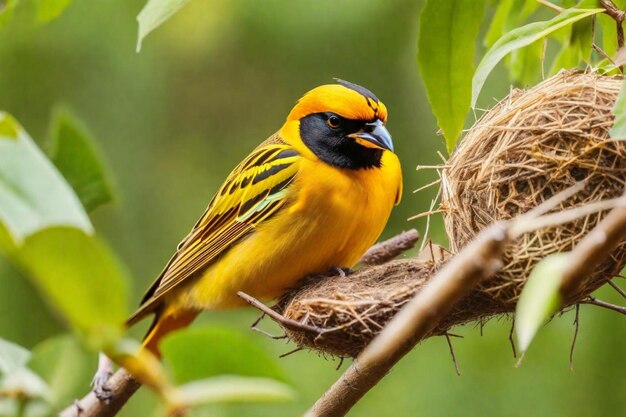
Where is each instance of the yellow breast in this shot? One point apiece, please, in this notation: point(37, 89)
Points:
point(334, 216)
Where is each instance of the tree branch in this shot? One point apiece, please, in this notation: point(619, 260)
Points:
point(389, 249)
point(122, 385)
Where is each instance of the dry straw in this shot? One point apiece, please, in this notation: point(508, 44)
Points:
point(529, 147)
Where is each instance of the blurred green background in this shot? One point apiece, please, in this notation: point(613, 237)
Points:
point(207, 87)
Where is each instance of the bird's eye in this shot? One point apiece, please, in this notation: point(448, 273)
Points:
point(333, 121)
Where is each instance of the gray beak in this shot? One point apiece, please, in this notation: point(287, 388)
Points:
point(376, 134)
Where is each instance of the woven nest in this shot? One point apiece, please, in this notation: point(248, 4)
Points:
point(530, 146)
point(352, 312)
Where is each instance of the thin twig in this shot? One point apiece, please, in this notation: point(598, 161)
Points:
point(604, 304)
point(593, 30)
point(544, 49)
point(456, 364)
point(427, 229)
point(602, 52)
point(576, 326)
point(420, 167)
point(255, 326)
point(617, 288)
point(423, 187)
point(426, 213)
point(511, 340)
point(291, 352)
point(283, 321)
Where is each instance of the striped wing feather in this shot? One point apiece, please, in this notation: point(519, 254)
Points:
point(253, 192)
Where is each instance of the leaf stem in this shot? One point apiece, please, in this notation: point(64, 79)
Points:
point(551, 5)
point(22, 402)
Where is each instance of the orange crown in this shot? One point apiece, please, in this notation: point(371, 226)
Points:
point(344, 98)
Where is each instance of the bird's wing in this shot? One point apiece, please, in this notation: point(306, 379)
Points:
point(253, 192)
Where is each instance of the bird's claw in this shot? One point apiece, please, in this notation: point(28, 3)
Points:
point(100, 382)
point(100, 386)
point(342, 272)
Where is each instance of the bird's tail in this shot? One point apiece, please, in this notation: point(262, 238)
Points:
point(164, 323)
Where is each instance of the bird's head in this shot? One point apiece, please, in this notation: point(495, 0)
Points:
point(340, 124)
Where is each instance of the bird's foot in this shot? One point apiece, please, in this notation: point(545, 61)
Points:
point(100, 386)
point(99, 383)
point(342, 272)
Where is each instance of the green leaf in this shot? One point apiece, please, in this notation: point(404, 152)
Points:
point(525, 64)
point(618, 131)
point(24, 383)
point(6, 11)
point(81, 278)
point(48, 10)
point(12, 356)
point(521, 37)
point(196, 353)
point(8, 407)
point(540, 298)
point(65, 366)
point(16, 380)
point(509, 15)
point(153, 14)
point(75, 155)
point(609, 34)
point(582, 39)
point(576, 43)
point(496, 28)
point(567, 57)
point(33, 194)
point(7, 245)
point(446, 46)
point(234, 389)
point(607, 67)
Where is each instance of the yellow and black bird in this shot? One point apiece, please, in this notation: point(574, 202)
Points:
point(314, 196)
